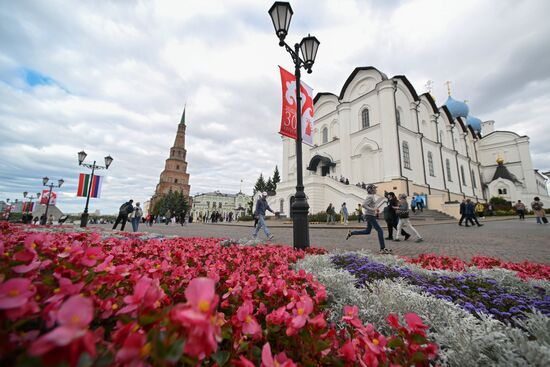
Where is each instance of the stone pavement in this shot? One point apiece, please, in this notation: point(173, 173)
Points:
point(509, 239)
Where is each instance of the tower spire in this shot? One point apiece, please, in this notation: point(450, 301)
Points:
point(183, 115)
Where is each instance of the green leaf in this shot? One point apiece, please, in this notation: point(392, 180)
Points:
point(256, 352)
point(105, 360)
point(395, 343)
point(175, 351)
point(85, 360)
point(145, 320)
point(418, 357)
point(221, 357)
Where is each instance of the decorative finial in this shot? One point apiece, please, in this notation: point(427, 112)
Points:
point(448, 83)
point(429, 86)
point(500, 161)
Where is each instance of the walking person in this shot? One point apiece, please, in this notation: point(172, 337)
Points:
point(419, 203)
point(344, 214)
point(402, 211)
point(330, 214)
point(123, 212)
point(168, 217)
point(538, 208)
point(393, 220)
point(469, 211)
point(261, 207)
point(136, 217)
point(463, 213)
point(359, 212)
point(371, 205)
point(480, 208)
point(413, 204)
point(520, 210)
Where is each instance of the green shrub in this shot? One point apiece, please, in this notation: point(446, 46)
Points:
point(246, 218)
point(500, 213)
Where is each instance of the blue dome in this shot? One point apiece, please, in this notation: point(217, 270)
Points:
point(474, 122)
point(457, 108)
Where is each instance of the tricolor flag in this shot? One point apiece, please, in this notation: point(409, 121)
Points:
point(84, 184)
point(28, 206)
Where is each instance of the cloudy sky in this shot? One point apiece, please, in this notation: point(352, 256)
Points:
point(112, 77)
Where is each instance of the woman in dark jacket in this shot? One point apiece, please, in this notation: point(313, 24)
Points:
point(391, 216)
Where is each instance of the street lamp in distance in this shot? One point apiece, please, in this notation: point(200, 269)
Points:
point(281, 13)
point(45, 180)
point(81, 157)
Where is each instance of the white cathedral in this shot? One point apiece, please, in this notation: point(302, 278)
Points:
point(379, 130)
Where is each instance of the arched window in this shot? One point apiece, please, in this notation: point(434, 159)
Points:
point(176, 180)
point(463, 175)
point(325, 135)
point(178, 166)
point(474, 179)
point(365, 122)
point(431, 164)
point(398, 117)
point(448, 165)
point(406, 155)
point(504, 191)
point(500, 191)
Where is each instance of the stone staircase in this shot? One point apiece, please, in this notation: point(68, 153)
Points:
point(429, 215)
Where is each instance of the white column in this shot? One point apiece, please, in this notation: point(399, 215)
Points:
point(388, 126)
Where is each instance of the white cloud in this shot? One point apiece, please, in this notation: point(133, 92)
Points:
point(125, 69)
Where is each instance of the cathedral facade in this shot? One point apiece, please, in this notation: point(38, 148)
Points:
point(174, 177)
point(379, 130)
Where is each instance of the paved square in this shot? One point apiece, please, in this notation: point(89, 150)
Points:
point(510, 240)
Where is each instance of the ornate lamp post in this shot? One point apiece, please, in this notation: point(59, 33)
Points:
point(81, 157)
point(28, 219)
point(281, 13)
point(51, 185)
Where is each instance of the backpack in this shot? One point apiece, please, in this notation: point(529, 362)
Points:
point(124, 208)
point(403, 214)
point(536, 206)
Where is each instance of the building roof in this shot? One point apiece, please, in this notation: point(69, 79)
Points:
point(502, 172)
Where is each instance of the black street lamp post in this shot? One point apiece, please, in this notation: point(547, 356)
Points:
point(281, 13)
point(28, 214)
point(45, 180)
point(81, 157)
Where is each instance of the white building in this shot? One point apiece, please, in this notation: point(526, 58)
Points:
point(379, 130)
point(207, 203)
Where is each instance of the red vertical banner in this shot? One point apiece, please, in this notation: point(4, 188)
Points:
point(288, 118)
point(45, 195)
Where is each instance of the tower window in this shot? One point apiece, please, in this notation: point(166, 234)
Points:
point(448, 165)
point(406, 155)
point(365, 122)
point(398, 117)
point(463, 175)
point(325, 135)
point(431, 164)
point(176, 180)
point(178, 166)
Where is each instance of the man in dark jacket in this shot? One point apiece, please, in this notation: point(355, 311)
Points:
point(261, 207)
point(469, 212)
point(123, 212)
point(462, 212)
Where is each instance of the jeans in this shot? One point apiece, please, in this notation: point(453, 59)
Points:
point(372, 223)
point(261, 224)
point(135, 223)
point(405, 222)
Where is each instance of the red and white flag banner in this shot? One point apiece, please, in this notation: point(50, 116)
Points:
point(288, 119)
point(44, 197)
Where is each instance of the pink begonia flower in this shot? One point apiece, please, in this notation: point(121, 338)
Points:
point(105, 265)
point(147, 294)
point(415, 322)
point(249, 323)
point(243, 362)
point(393, 320)
point(301, 312)
point(73, 318)
point(132, 349)
point(280, 360)
point(66, 288)
point(22, 269)
point(200, 293)
point(348, 351)
point(15, 293)
point(91, 256)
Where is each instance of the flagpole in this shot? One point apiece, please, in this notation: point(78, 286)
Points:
point(84, 217)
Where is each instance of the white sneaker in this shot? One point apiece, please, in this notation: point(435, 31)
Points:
point(270, 237)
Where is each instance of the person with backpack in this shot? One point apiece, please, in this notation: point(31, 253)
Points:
point(261, 207)
point(371, 205)
point(123, 212)
point(403, 213)
point(136, 217)
point(413, 204)
point(520, 209)
point(538, 208)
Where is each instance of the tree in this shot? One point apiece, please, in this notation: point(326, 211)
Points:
point(269, 186)
point(276, 178)
point(174, 202)
point(260, 185)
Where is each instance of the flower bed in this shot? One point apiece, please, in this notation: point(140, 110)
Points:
point(464, 339)
point(474, 294)
point(525, 270)
point(81, 299)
